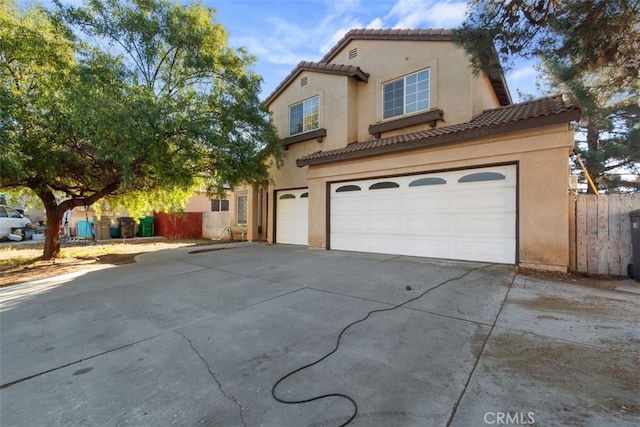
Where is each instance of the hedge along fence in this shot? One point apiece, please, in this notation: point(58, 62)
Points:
point(601, 228)
point(185, 225)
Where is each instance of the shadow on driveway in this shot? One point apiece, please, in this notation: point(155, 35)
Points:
point(202, 338)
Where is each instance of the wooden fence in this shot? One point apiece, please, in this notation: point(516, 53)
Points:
point(215, 225)
point(602, 229)
point(186, 225)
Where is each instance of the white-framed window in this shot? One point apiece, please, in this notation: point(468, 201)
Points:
point(304, 116)
point(406, 95)
point(241, 209)
point(219, 205)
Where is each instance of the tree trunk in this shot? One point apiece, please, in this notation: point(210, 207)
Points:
point(52, 236)
point(55, 213)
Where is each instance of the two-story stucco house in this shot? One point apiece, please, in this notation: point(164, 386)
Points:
point(394, 146)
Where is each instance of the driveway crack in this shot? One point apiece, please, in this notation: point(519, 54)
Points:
point(226, 394)
point(484, 346)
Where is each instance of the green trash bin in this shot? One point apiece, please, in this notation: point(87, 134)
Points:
point(145, 228)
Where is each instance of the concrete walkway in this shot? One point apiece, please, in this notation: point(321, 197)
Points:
point(200, 339)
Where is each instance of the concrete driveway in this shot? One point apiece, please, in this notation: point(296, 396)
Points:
point(200, 339)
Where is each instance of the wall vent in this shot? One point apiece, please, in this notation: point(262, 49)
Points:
point(303, 81)
point(353, 53)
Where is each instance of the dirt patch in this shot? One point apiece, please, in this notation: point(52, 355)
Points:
point(594, 281)
point(605, 377)
point(478, 340)
point(76, 257)
point(592, 305)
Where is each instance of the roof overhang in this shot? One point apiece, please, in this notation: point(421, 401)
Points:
point(516, 117)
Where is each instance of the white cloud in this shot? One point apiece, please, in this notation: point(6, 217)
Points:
point(377, 23)
point(285, 41)
point(427, 14)
point(335, 38)
point(289, 41)
point(523, 73)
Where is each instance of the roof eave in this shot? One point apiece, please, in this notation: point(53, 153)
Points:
point(304, 66)
point(450, 138)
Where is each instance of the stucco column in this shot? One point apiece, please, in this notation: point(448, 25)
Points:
point(270, 208)
point(252, 213)
point(318, 221)
point(544, 211)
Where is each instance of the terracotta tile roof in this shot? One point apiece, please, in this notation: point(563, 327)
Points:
point(539, 112)
point(319, 67)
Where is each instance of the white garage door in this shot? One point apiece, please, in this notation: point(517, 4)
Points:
point(465, 215)
point(292, 216)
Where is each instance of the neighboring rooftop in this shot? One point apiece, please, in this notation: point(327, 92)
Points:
point(538, 112)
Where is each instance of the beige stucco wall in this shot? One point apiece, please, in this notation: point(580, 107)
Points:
point(348, 107)
point(334, 93)
point(453, 87)
point(483, 97)
point(199, 202)
point(543, 175)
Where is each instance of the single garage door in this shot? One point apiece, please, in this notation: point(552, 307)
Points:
point(292, 216)
point(464, 215)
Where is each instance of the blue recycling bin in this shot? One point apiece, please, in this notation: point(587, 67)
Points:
point(85, 229)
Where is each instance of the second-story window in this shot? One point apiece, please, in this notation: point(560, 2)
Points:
point(406, 95)
point(304, 116)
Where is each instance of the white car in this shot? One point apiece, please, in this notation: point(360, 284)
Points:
point(11, 218)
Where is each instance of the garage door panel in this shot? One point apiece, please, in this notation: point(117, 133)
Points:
point(349, 241)
point(425, 203)
point(439, 247)
point(488, 250)
point(381, 224)
point(492, 199)
point(292, 217)
point(458, 215)
point(486, 224)
point(348, 225)
point(429, 224)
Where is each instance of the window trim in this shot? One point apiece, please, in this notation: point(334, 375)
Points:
point(290, 134)
point(431, 117)
point(383, 185)
point(483, 176)
point(237, 209)
point(318, 135)
point(404, 95)
point(427, 181)
point(348, 188)
point(222, 206)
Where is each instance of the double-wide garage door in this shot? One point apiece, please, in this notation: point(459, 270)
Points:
point(292, 216)
point(465, 215)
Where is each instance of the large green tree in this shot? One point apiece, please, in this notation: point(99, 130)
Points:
point(608, 133)
point(135, 101)
point(590, 47)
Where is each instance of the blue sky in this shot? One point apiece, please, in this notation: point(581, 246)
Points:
point(281, 33)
